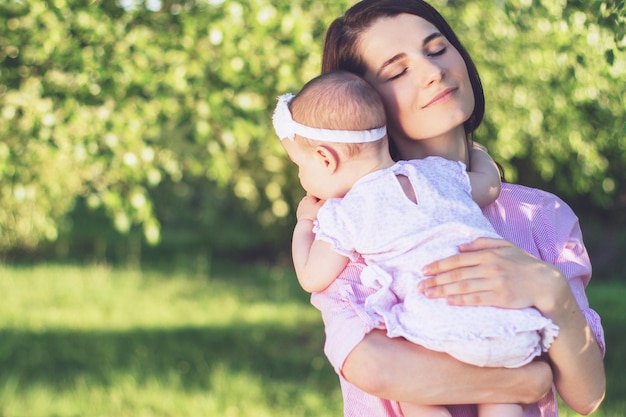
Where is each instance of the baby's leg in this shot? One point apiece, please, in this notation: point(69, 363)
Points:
point(500, 410)
point(413, 410)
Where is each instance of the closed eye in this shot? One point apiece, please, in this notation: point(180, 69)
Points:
point(438, 52)
point(398, 75)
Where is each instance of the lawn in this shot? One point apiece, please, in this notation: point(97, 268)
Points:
point(96, 341)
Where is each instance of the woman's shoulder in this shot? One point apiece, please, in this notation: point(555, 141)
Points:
point(529, 210)
point(542, 224)
point(516, 195)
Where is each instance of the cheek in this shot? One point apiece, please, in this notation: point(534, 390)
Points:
point(393, 103)
point(470, 102)
point(467, 99)
point(461, 73)
point(307, 180)
point(302, 178)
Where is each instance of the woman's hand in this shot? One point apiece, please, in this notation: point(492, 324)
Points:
point(495, 272)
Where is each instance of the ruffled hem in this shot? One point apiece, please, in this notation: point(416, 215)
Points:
point(483, 336)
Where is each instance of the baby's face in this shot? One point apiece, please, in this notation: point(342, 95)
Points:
point(315, 176)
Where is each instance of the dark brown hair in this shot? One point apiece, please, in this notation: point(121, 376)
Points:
point(342, 38)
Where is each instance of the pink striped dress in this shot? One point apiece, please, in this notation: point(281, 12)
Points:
point(535, 220)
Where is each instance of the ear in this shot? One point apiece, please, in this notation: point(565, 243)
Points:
point(328, 156)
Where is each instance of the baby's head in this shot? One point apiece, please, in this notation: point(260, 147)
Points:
point(337, 101)
point(337, 114)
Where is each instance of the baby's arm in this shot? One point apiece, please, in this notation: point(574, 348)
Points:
point(316, 264)
point(484, 176)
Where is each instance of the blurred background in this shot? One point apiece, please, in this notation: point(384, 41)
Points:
point(138, 167)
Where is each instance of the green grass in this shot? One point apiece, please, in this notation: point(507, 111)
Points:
point(609, 300)
point(95, 341)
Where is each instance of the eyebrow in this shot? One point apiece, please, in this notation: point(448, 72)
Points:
point(402, 55)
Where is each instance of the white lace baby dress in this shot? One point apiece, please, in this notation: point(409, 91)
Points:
point(397, 237)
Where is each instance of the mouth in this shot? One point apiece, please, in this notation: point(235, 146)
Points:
point(442, 96)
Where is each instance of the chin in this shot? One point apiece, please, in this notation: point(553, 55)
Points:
point(454, 121)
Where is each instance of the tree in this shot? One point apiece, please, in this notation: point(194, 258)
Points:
point(156, 114)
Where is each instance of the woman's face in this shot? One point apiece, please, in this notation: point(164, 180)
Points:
point(421, 77)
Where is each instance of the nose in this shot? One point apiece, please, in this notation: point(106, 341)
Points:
point(432, 71)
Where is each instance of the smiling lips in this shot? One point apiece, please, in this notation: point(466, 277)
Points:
point(444, 95)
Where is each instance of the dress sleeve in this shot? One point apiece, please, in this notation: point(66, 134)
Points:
point(559, 239)
point(334, 226)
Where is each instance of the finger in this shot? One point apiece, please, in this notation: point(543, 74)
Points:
point(456, 287)
point(484, 243)
point(451, 263)
point(484, 298)
point(478, 291)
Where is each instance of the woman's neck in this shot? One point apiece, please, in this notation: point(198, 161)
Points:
point(452, 147)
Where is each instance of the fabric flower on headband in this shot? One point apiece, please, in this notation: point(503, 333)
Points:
point(286, 127)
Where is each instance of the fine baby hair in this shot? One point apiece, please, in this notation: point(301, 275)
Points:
point(336, 107)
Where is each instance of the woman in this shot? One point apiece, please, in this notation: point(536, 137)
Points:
point(434, 102)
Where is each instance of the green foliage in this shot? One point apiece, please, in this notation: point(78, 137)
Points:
point(157, 114)
point(78, 120)
point(556, 113)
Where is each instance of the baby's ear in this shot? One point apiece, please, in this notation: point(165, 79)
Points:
point(328, 156)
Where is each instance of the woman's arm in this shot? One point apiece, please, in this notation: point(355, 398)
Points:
point(496, 272)
point(484, 176)
point(316, 264)
point(575, 356)
point(427, 377)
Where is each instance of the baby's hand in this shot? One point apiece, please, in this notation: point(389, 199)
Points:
point(308, 208)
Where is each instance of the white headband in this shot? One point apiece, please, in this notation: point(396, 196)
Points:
point(286, 127)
